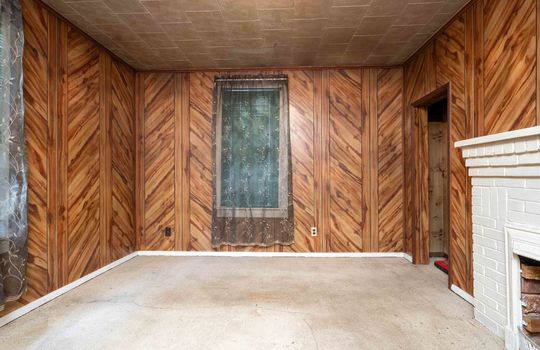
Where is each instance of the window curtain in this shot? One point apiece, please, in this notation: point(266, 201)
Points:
point(252, 192)
point(13, 205)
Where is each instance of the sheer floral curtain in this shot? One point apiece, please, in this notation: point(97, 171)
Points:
point(253, 202)
point(13, 205)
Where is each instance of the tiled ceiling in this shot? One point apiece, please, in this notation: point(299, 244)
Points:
point(189, 34)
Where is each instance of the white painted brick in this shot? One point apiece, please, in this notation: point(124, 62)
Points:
point(508, 147)
point(532, 144)
point(493, 294)
point(503, 160)
point(494, 254)
point(495, 275)
point(501, 267)
point(516, 205)
point(487, 322)
point(486, 200)
point(479, 306)
point(532, 207)
point(485, 242)
point(486, 300)
point(489, 171)
point(520, 147)
point(470, 162)
point(522, 171)
point(532, 183)
point(484, 221)
point(509, 182)
point(488, 283)
point(478, 268)
point(481, 151)
point(478, 249)
point(482, 181)
point(505, 188)
point(485, 261)
point(524, 218)
point(497, 235)
point(529, 158)
point(493, 202)
point(496, 316)
point(501, 289)
point(478, 229)
point(523, 194)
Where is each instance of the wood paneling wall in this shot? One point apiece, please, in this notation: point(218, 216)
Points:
point(488, 54)
point(80, 130)
point(347, 179)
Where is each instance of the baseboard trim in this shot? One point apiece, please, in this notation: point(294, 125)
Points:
point(12, 316)
point(271, 254)
point(463, 294)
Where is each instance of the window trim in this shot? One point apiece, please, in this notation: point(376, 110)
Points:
point(282, 210)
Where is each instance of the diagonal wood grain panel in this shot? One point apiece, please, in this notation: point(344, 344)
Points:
point(390, 159)
point(123, 160)
point(414, 88)
point(450, 63)
point(159, 160)
point(347, 205)
point(509, 65)
point(200, 161)
point(83, 166)
point(35, 69)
point(302, 139)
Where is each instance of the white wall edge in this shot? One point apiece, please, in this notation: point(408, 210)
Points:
point(503, 136)
point(463, 294)
point(272, 254)
point(12, 316)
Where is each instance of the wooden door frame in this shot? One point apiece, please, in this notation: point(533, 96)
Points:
point(420, 232)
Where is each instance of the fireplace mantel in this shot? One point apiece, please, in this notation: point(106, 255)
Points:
point(505, 172)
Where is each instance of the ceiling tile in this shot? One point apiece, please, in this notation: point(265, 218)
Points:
point(185, 34)
point(165, 11)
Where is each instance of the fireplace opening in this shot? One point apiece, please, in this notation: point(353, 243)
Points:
point(438, 183)
point(530, 299)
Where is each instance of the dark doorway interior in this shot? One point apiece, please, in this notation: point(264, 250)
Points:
point(438, 181)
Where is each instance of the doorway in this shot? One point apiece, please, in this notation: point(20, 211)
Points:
point(431, 222)
point(437, 124)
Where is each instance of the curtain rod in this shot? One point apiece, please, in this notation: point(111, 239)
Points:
point(243, 79)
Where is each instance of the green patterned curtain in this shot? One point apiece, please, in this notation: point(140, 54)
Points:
point(13, 188)
point(252, 171)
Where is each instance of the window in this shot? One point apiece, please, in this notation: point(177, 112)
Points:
point(251, 150)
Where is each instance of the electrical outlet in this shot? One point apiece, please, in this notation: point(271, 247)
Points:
point(313, 231)
point(167, 232)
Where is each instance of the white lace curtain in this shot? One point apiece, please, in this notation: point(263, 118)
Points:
point(13, 168)
point(253, 203)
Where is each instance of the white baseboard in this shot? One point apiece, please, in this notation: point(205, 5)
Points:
point(55, 294)
point(463, 294)
point(272, 254)
point(407, 257)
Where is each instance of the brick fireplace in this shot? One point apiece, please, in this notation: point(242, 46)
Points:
point(505, 172)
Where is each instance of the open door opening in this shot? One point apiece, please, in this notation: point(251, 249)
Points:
point(431, 195)
point(438, 197)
